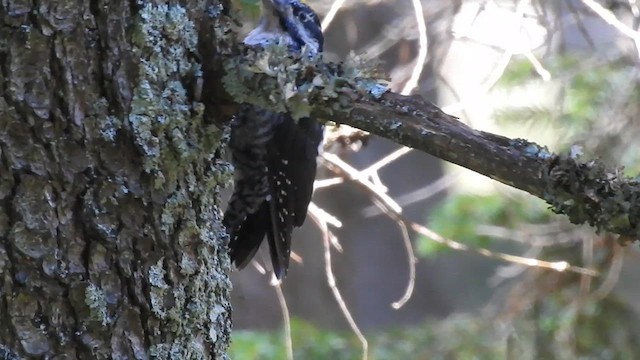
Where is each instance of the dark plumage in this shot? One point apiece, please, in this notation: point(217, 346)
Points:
point(274, 156)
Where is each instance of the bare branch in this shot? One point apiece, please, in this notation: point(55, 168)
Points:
point(423, 46)
point(559, 266)
point(346, 170)
point(286, 321)
point(613, 274)
point(328, 18)
point(588, 192)
point(331, 281)
point(389, 206)
point(611, 19)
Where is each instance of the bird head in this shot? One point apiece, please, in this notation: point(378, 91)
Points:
point(288, 22)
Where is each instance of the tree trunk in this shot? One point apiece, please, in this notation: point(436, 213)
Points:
point(111, 237)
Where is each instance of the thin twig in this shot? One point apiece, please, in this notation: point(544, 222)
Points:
point(587, 260)
point(423, 47)
point(296, 258)
point(288, 343)
point(511, 270)
point(388, 205)
point(385, 161)
point(334, 160)
point(509, 51)
point(612, 275)
point(580, 24)
point(611, 19)
point(423, 43)
point(331, 281)
point(412, 268)
point(319, 184)
point(335, 7)
point(258, 267)
point(323, 218)
point(559, 266)
point(537, 66)
point(415, 196)
point(532, 234)
point(499, 69)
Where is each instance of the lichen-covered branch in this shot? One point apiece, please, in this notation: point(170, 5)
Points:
point(588, 192)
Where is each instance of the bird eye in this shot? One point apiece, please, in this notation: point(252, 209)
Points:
point(304, 17)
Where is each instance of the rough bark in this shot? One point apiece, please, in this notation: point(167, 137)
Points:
point(586, 191)
point(111, 244)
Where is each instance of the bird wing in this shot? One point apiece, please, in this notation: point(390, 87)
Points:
point(292, 170)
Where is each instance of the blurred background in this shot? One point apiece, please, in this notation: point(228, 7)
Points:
point(560, 73)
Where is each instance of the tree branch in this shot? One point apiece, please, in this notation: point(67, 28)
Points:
point(588, 192)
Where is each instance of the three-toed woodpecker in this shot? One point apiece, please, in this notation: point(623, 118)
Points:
point(273, 154)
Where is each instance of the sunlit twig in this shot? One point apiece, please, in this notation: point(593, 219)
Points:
point(537, 66)
point(612, 275)
point(335, 7)
point(388, 205)
point(323, 218)
point(423, 46)
point(258, 267)
point(587, 260)
point(385, 161)
point(319, 184)
point(509, 51)
point(296, 258)
point(560, 266)
point(412, 268)
point(334, 160)
point(611, 19)
point(286, 320)
point(417, 195)
point(331, 281)
point(502, 63)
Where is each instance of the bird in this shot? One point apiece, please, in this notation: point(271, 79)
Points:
point(274, 156)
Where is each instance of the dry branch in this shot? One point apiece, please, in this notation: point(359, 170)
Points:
point(586, 191)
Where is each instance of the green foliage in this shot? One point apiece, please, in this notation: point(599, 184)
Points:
point(459, 215)
point(529, 116)
point(587, 93)
point(309, 342)
point(555, 331)
point(516, 73)
point(332, 345)
point(458, 338)
point(256, 345)
point(606, 329)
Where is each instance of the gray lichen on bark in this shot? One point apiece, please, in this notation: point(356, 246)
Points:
point(112, 243)
point(296, 83)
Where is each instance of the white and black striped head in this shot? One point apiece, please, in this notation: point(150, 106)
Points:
point(287, 22)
